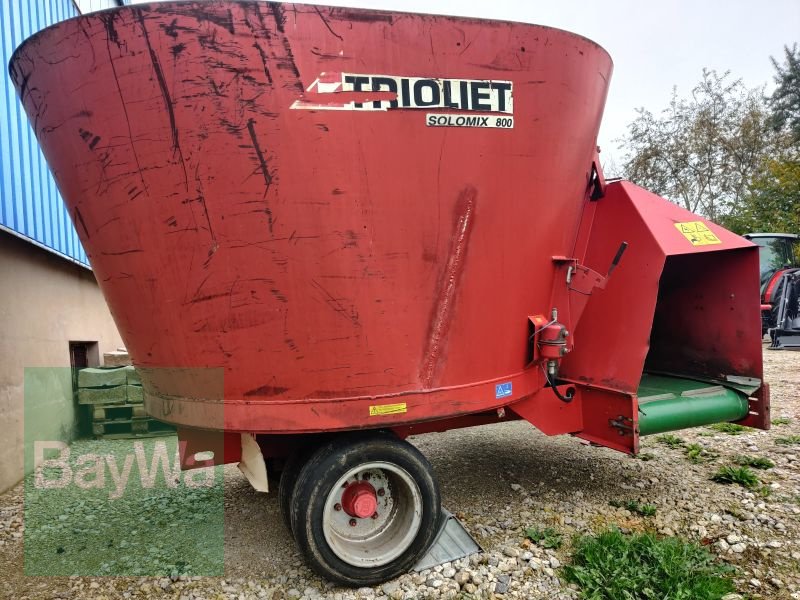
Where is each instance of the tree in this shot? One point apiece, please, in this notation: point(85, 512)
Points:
point(785, 100)
point(773, 201)
point(703, 151)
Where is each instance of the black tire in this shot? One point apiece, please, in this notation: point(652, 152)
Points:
point(289, 475)
point(322, 472)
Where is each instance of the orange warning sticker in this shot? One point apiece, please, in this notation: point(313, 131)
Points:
point(697, 233)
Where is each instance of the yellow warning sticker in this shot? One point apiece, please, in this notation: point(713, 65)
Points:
point(387, 409)
point(698, 233)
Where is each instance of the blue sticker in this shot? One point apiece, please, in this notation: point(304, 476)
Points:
point(501, 390)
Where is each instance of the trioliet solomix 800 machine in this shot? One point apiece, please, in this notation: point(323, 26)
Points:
point(321, 230)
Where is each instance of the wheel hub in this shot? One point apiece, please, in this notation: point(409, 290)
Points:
point(372, 514)
point(360, 500)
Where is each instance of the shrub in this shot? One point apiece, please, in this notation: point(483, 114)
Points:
point(673, 441)
point(697, 453)
point(614, 566)
point(729, 428)
point(546, 538)
point(788, 440)
point(644, 510)
point(756, 462)
point(742, 476)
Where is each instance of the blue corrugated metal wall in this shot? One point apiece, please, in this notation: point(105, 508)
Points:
point(30, 204)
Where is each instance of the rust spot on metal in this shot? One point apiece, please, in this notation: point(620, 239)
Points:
point(448, 285)
point(362, 16)
point(162, 84)
point(173, 28)
point(79, 219)
point(279, 15)
point(260, 155)
point(328, 394)
point(430, 256)
point(264, 60)
point(327, 25)
point(285, 62)
point(266, 390)
point(122, 252)
point(338, 305)
point(90, 138)
point(108, 22)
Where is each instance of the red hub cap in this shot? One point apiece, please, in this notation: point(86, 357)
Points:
point(359, 500)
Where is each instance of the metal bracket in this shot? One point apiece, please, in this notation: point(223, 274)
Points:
point(621, 425)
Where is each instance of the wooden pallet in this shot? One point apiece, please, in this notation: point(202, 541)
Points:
point(133, 427)
point(127, 436)
point(118, 412)
point(121, 394)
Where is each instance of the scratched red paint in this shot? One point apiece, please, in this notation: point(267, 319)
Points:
point(328, 260)
point(446, 296)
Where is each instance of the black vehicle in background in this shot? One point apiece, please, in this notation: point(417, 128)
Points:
point(780, 286)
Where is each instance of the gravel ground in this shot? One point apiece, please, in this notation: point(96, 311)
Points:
point(501, 480)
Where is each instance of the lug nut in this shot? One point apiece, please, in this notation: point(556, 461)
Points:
point(352, 522)
point(375, 516)
point(337, 506)
point(381, 492)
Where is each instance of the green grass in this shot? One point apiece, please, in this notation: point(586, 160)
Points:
point(781, 421)
point(614, 566)
point(791, 440)
point(673, 441)
point(729, 428)
point(764, 491)
point(698, 453)
point(546, 538)
point(644, 510)
point(645, 456)
point(742, 476)
point(756, 462)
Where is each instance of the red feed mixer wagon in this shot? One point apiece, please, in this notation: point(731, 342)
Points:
point(321, 230)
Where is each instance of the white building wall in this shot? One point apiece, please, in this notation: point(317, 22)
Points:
point(87, 6)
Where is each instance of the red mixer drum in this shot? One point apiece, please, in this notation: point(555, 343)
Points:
point(343, 216)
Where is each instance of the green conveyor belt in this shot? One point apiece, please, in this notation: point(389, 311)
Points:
point(668, 403)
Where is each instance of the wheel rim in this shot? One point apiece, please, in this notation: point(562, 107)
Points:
point(380, 538)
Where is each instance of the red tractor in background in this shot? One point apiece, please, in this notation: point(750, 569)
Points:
point(780, 283)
